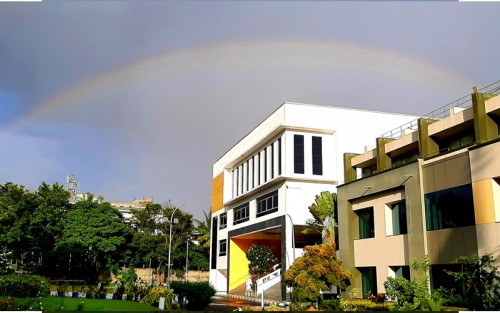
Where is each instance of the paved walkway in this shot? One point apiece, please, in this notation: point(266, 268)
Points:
point(225, 304)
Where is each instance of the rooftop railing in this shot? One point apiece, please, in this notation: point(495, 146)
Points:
point(443, 112)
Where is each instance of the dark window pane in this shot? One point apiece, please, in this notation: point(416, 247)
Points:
point(298, 157)
point(241, 214)
point(317, 155)
point(267, 204)
point(366, 223)
point(450, 208)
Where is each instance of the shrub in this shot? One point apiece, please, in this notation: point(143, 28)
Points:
point(153, 297)
point(23, 286)
point(198, 294)
point(330, 305)
point(365, 305)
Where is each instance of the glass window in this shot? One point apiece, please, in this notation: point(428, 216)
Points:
point(401, 271)
point(223, 220)
point(298, 156)
point(222, 247)
point(241, 214)
point(366, 223)
point(317, 155)
point(399, 225)
point(213, 264)
point(267, 204)
point(368, 280)
point(450, 208)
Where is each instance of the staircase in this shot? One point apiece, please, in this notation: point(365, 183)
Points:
point(268, 281)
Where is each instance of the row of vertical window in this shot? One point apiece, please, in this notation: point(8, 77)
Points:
point(449, 208)
point(257, 170)
point(366, 220)
point(266, 204)
point(298, 155)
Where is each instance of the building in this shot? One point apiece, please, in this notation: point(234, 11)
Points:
point(430, 187)
point(267, 180)
point(126, 208)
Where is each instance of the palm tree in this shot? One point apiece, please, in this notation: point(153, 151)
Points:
point(203, 230)
point(323, 211)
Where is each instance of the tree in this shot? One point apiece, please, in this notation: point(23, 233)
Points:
point(323, 211)
point(94, 234)
point(261, 260)
point(318, 269)
point(203, 230)
point(30, 223)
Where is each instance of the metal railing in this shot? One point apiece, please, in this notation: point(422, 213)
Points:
point(443, 112)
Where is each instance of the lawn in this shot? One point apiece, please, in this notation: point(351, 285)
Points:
point(71, 304)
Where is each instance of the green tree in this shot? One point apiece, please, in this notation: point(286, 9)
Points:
point(94, 234)
point(261, 260)
point(30, 223)
point(318, 269)
point(203, 230)
point(323, 211)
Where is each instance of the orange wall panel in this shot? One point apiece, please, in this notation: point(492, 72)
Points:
point(217, 192)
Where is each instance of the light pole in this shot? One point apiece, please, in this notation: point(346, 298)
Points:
point(293, 237)
point(170, 244)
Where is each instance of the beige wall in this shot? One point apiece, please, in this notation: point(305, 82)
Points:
point(484, 162)
point(381, 251)
point(446, 245)
point(449, 171)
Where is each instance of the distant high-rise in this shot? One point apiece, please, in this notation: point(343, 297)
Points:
point(72, 184)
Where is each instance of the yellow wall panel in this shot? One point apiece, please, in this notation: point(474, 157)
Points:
point(483, 201)
point(217, 192)
point(238, 262)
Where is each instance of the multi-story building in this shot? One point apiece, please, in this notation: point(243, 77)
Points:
point(264, 184)
point(430, 187)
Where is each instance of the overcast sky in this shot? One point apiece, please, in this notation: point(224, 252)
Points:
point(140, 98)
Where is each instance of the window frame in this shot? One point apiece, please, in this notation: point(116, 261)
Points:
point(241, 219)
point(223, 218)
point(271, 198)
point(222, 247)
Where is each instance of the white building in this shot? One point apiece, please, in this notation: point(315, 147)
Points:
point(271, 176)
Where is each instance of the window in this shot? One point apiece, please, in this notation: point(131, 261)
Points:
point(450, 208)
point(222, 247)
point(401, 271)
point(440, 278)
point(267, 204)
point(317, 155)
point(399, 225)
point(298, 154)
point(366, 223)
point(368, 280)
point(223, 220)
point(241, 214)
point(279, 156)
point(213, 264)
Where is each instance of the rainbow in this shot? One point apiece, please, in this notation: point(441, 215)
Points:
point(248, 55)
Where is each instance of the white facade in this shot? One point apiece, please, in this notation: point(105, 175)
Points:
point(269, 160)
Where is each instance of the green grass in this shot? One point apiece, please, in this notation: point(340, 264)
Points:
point(71, 304)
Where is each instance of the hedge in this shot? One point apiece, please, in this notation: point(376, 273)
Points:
point(22, 285)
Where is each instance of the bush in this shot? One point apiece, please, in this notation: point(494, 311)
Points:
point(330, 305)
point(23, 286)
point(365, 305)
point(153, 297)
point(197, 294)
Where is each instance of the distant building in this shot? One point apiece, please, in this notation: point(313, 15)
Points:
point(126, 207)
point(270, 177)
point(430, 187)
